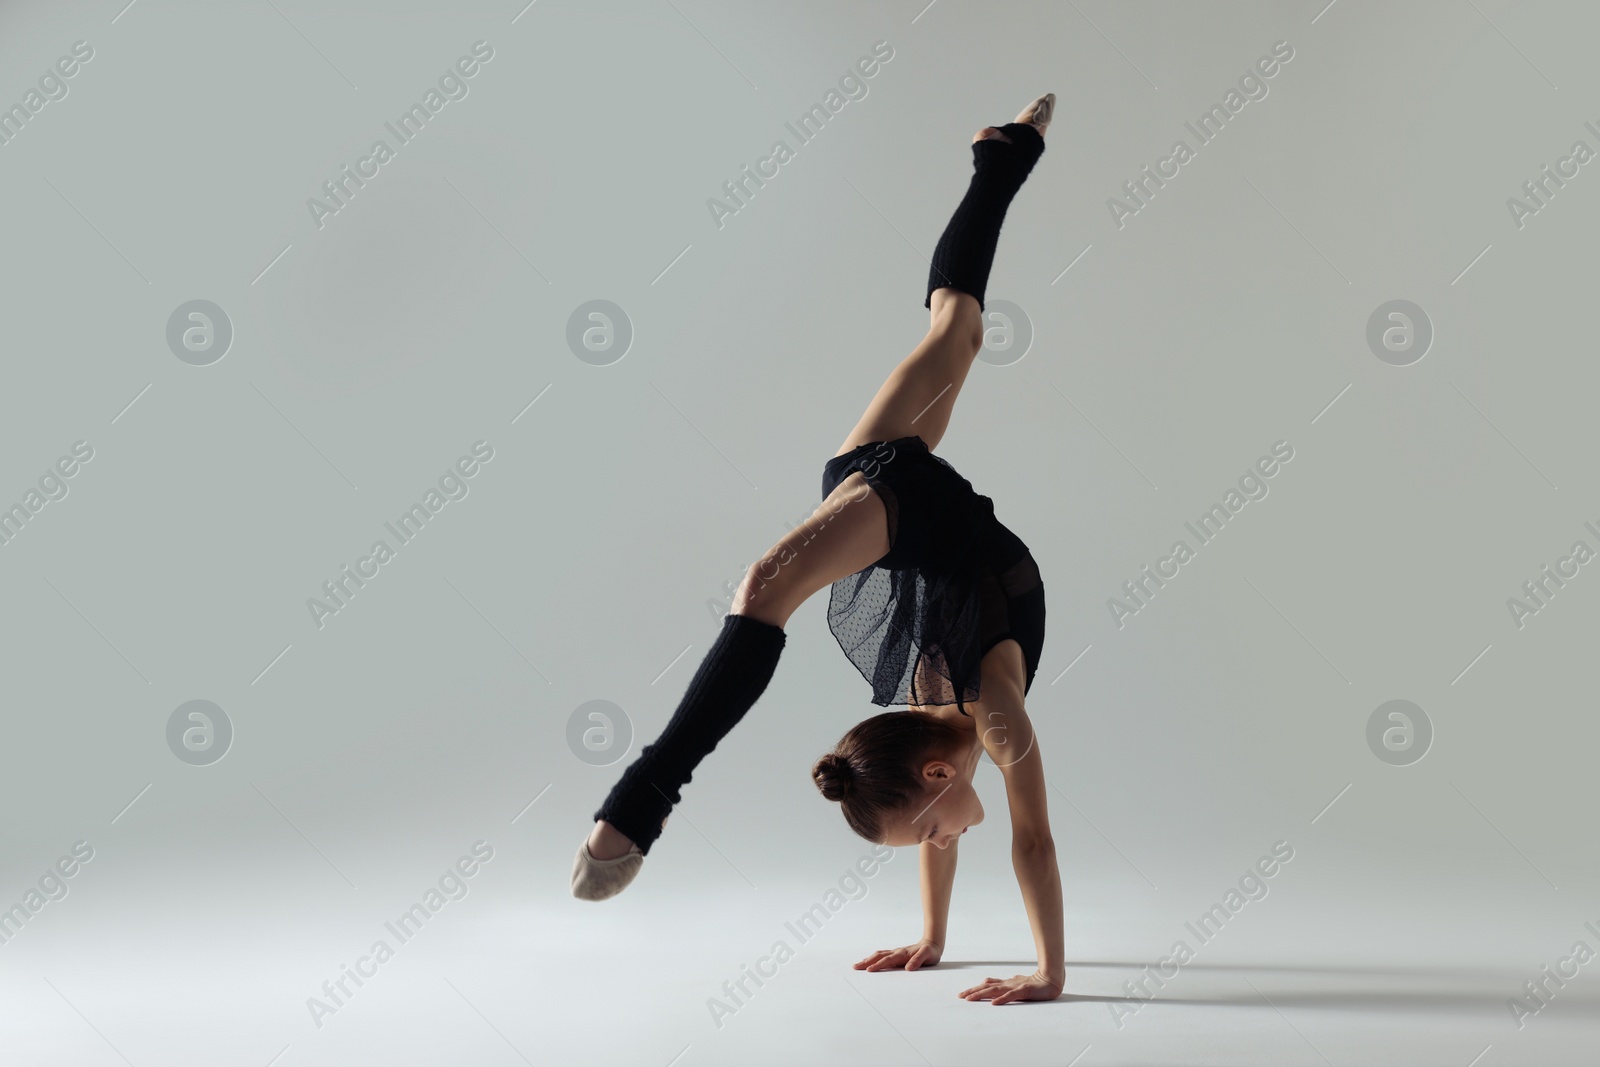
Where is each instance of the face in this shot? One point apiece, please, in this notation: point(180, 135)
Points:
point(948, 806)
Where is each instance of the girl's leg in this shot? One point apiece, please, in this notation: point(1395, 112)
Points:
point(920, 394)
point(846, 533)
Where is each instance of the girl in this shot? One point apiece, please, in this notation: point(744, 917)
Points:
point(938, 605)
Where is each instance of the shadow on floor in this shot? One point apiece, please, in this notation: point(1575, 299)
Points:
point(1367, 989)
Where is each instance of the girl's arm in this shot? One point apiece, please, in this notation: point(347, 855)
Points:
point(1009, 739)
point(938, 867)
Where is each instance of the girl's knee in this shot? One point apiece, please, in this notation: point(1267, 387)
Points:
point(768, 591)
point(956, 314)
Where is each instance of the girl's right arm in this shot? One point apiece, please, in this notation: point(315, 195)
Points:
point(938, 869)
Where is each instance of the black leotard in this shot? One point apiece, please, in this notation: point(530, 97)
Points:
point(954, 583)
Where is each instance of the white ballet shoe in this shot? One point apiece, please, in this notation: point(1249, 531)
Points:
point(594, 879)
point(1039, 112)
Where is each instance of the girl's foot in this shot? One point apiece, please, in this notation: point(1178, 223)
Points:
point(606, 863)
point(1037, 114)
point(607, 842)
point(594, 879)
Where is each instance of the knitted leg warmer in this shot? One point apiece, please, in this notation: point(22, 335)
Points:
point(965, 251)
point(732, 676)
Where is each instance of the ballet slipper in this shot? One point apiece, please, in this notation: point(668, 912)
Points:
point(1040, 112)
point(1035, 117)
point(594, 879)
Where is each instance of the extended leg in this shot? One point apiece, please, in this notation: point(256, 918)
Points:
point(1000, 164)
point(847, 532)
point(920, 394)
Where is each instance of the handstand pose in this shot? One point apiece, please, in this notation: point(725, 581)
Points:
point(937, 604)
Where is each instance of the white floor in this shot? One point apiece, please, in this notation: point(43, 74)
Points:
point(493, 979)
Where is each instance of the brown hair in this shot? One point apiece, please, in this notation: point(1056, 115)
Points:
point(874, 769)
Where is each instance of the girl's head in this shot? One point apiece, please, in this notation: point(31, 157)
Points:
point(903, 777)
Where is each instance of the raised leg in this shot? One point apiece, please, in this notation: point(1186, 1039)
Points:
point(920, 394)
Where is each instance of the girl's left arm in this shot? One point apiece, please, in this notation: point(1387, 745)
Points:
point(1009, 739)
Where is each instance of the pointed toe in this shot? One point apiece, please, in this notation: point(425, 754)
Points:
point(1040, 111)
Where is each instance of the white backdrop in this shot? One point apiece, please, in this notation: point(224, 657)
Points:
point(347, 360)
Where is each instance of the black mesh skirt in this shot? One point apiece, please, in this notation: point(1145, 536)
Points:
point(954, 583)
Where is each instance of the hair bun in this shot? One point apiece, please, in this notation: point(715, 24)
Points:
point(834, 776)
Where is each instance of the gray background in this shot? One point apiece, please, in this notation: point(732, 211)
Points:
point(370, 354)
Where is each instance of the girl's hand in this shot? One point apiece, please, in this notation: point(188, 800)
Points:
point(1033, 986)
point(922, 954)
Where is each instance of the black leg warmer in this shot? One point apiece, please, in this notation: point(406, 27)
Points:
point(965, 251)
point(732, 676)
